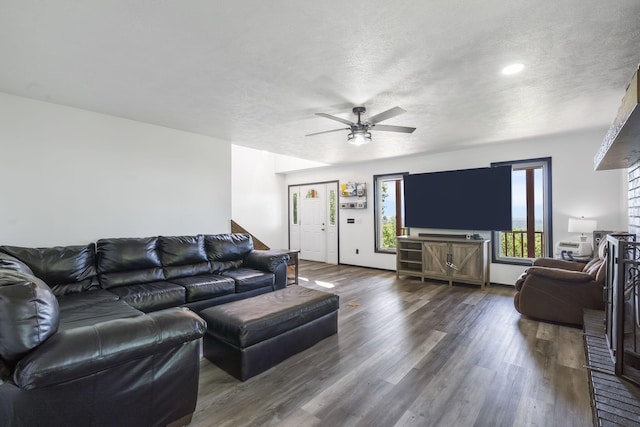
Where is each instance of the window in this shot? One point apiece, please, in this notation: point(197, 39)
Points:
point(530, 236)
point(294, 216)
point(332, 207)
point(389, 210)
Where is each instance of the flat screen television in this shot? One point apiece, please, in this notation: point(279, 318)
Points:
point(469, 199)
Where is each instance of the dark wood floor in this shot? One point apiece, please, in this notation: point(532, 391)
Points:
point(412, 354)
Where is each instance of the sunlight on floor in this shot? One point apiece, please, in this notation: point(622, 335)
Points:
point(325, 284)
point(319, 283)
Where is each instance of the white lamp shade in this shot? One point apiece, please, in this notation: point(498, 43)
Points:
point(581, 225)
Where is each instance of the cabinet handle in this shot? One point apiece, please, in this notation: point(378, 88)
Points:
point(450, 263)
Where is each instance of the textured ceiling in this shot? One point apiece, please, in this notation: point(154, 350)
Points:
point(255, 72)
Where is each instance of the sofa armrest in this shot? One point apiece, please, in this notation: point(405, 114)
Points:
point(558, 263)
point(266, 260)
point(557, 274)
point(83, 351)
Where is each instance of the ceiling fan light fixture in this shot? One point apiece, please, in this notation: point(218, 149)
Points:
point(360, 131)
point(359, 137)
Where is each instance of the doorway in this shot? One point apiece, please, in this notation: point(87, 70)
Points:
point(313, 221)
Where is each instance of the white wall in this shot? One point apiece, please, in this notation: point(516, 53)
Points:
point(259, 199)
point(577, 190)
point(71, 176)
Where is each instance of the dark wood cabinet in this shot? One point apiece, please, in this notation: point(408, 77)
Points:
point(292, 268)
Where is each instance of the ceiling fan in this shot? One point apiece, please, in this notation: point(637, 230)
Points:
point(360, 130)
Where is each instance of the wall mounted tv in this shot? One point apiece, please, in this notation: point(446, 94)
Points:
point(469, 199)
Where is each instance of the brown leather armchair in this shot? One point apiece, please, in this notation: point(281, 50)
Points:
point(558, 291)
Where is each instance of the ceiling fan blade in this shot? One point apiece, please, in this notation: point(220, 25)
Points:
point(391, 128)
point(395, 111)
point(339, 119)
point(328, 131)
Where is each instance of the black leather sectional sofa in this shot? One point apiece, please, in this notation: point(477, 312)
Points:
point(101, 334)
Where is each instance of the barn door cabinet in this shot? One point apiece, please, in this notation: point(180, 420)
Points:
point(441, 258)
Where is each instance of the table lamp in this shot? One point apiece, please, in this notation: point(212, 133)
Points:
point(582, 225)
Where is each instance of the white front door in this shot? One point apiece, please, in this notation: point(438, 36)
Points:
point(313, 225)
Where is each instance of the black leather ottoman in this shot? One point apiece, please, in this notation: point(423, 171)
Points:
point(249, 336)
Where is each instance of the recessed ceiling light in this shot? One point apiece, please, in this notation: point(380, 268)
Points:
point(512, 69)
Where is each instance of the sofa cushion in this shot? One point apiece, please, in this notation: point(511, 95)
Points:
point(206, 286)
point(126, 278)
point(218, 267)
point(65, 269)
point(83, 299)
point(127, 261)
point(93, 314)
point(181, 250)
point(29, 313)
point(183, 256)
point(186, 270)
point(151, 296)
point(228, 247)
point(11, 263)
point(247, 279)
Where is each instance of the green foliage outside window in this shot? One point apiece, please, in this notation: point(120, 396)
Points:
point(388, 222)
point(332, 207)
point(295, 208)
point(514, 243)
point(389, 232)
